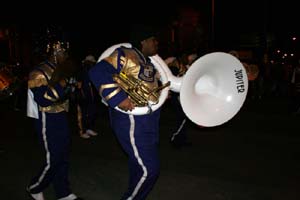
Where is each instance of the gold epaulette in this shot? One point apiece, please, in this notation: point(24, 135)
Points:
point(56, 108)
point(40, 76)
point(36, 79)
point(129, 60)
point(113, 59)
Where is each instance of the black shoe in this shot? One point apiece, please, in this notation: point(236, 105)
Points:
point(175, 145)
point(186, 144)
point(179, 145)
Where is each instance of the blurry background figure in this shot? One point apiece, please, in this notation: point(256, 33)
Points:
point(191, 58)
point(178, 66)
point(296, 89)
point(253, 74)
point(87, 100)
point(254, 80)
point(234, 53)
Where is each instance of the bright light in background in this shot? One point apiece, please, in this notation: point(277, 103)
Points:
point(278, 51)
point(292, 54)
point(294, 38)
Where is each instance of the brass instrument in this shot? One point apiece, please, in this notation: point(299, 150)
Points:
point(212, 90)
point(139, 93)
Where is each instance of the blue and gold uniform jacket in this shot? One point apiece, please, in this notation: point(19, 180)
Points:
point(127, 60)
point(48, 99)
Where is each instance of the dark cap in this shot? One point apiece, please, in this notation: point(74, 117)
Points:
point(139, 33)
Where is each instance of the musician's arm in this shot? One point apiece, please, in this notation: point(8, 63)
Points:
point(101, 77)
point(44, 94)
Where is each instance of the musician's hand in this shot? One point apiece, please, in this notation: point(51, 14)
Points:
point(126, 105)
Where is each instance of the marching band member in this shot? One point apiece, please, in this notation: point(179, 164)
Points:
point(137, 134)
point(48, 104)
point(179, 66)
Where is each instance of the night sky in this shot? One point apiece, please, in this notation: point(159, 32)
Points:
point(237, 14)
point(94, 25)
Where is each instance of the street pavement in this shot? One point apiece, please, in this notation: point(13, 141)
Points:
point(254, 156)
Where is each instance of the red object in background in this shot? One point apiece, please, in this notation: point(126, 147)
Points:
point(1, 34)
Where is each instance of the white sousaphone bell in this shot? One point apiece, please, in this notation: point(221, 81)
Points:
point(211, 92)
